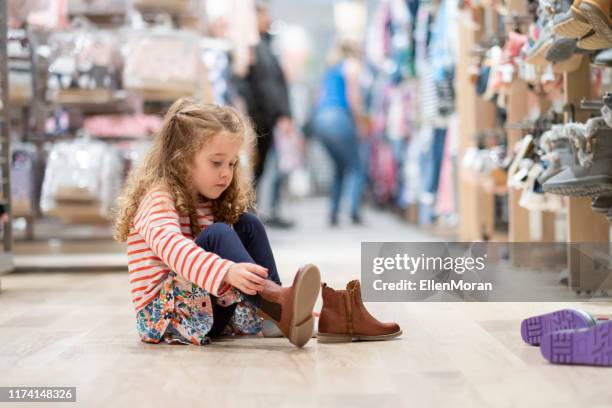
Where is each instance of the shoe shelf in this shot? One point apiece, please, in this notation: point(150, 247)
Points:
point(578, 223)
point(478, 194)
point(584, 225)
point(476, 204)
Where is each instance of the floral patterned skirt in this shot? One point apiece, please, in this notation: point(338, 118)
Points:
point(182, 313)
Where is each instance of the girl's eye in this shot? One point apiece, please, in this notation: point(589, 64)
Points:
point(233, 164)
point(217, 164)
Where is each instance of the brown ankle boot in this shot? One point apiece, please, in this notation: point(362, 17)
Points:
point(345, 318)
point(291, 308)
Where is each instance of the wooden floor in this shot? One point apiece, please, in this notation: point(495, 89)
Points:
point(78, 329)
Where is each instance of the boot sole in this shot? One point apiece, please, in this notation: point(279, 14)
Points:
point(600, 210)
point(588, 186)
point(592, 346)
point(533, 328)
point(593, 42)
point(307, 289)
point(576, 27)
point(346, 338)
point(600, 22)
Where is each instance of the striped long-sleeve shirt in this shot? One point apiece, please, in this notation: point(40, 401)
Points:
point(161, 241)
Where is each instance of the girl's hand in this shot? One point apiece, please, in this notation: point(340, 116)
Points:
point(247, 277)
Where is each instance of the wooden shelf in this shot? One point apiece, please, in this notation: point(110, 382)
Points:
point(86, 97)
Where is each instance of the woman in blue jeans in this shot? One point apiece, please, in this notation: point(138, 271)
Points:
point(339, 123)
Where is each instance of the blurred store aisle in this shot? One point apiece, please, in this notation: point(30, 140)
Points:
point(336, 250)
point(312, 240)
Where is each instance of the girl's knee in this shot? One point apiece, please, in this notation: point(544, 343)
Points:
point(216, 229)
point(251, 220)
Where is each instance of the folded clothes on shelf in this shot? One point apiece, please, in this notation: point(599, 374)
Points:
point(138, 125)
point(81, 174)
point(162, 61)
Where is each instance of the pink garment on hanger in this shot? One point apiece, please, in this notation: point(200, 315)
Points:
point(138, 125)
point(445, 203)
point(54, 15)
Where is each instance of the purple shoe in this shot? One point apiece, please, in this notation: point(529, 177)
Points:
point(592, 346)
point(533, 328)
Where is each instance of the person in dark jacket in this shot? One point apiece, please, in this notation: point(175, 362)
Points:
point(267, 98)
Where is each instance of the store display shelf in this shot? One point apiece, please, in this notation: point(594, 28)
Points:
point(17, 102)
point(85, 97)
point(122, 138)
point(178, 7)
point(162, 95)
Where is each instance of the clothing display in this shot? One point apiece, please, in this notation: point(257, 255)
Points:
point(216, 60)
point(162, 60)
point(446, 202)
point(46, 14)
point(20, 67)
point(24, 177)
point(84, 58)
point(77, 186)
point(122, 125)
point(77, 7)
point(417, 93)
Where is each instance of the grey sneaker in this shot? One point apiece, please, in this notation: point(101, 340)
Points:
point(591, 172)
point(558, 154)
point(604, 58)
point(557, 161)
point(561, 49)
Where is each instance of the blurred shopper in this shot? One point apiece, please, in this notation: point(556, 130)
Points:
point(267, 97)
point(339, 122)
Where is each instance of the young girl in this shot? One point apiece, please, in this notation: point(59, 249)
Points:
point(200, 265)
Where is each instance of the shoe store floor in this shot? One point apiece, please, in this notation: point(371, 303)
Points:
point(78, 329)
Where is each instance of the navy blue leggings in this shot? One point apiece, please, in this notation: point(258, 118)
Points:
point(246, 242)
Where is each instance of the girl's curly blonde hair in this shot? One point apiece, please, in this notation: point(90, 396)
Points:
point(186, 128)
